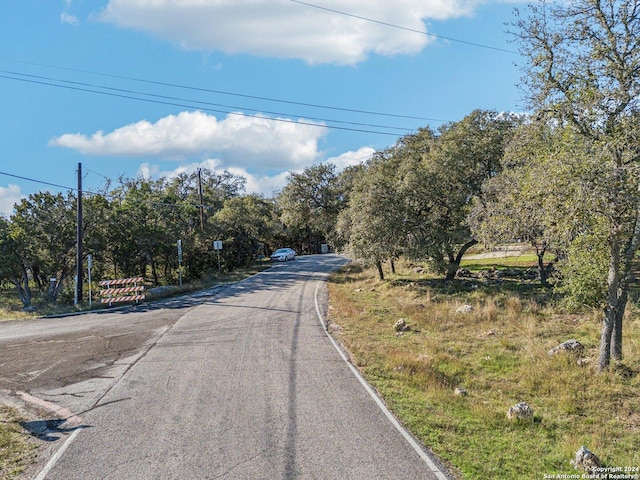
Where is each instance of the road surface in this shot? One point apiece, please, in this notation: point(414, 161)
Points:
point(239, 383)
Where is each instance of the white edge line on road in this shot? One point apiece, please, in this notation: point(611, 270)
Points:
point(51, 463)
point(408, 437)
point(63, 412)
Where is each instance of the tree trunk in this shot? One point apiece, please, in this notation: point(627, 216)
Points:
point(616, 336)
point(22, 286)
point(454, 263)
point(542, 270)
point(154, 273)
point(392, 264)
point(611, 310)
point(380, 272)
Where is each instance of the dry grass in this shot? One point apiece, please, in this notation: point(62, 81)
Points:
point(16, 450)
point(498, 353)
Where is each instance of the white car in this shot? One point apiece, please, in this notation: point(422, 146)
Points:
point(283, 255)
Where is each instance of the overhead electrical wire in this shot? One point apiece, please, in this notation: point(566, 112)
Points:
point(39, 181)
point(168, 97)
point(223, 92)
point(256, 97)
point(87, 192)
point(130, 94)
point(182, 105)
point(400, 27)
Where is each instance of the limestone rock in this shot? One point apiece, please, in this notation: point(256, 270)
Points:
point(464, 309)
point(570, 346)
point(401, 326)
point(520, 411)
point(586, 460)
point(460, 392)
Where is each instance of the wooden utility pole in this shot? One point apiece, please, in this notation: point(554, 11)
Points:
point(79, 239)
point(201, 199)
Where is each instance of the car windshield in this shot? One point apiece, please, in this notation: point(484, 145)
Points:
point(281, 250)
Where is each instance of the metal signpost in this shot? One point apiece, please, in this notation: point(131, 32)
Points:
point(217, 246)
point(180, 261)
point(89, 265)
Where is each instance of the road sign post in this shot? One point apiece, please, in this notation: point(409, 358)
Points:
point(180, 262)
point(89, 267)
point(217, 246)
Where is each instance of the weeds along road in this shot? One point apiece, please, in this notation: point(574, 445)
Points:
point(241, 383)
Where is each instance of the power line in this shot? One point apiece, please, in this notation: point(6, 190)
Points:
point(38, 181)
point(106, 194)
point(42, 182)
point(400, 27)
point(182, 105)
point(168, 97)
point(75, 189)
point(223, 92)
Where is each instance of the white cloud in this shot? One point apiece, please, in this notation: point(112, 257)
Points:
point(287, 29)
point(349, 159)
point(262, 184)
point(68, 18)
point(258, 143)
point(9, 196)
point(256, 184)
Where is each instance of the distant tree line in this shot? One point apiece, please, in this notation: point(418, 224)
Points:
point(134, 228)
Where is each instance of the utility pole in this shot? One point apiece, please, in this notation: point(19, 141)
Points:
point(79, 238)
point(200, 195)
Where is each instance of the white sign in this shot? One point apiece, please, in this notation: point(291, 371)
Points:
point(217, 244)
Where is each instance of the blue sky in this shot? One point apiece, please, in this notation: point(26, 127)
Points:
point(257, 87)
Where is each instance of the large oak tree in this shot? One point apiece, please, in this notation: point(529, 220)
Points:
point(583, 70)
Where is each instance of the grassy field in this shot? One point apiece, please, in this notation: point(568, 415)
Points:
point(498, 352)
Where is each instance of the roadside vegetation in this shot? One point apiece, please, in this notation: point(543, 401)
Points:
point(11, 307)
point(498, 353)
point(16, 449)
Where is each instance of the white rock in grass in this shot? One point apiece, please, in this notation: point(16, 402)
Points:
point(521, 411)
point(464, 309)
point(570, 346)
point(586, 460)
point(401, 326)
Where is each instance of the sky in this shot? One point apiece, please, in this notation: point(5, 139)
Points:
point(259, 88)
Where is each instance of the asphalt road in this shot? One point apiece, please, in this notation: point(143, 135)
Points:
point(241, 383)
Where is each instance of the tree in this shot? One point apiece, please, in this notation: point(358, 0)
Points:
point(372, 223)
point(137, 231)
point(246, 224)
point(311, 201)
point(44, 227)
point(12, 265)
point(513, 204)
point(582, 70)
point(441, 181)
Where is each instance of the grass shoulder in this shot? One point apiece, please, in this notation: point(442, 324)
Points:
point(496, 350)
point(17, 449)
